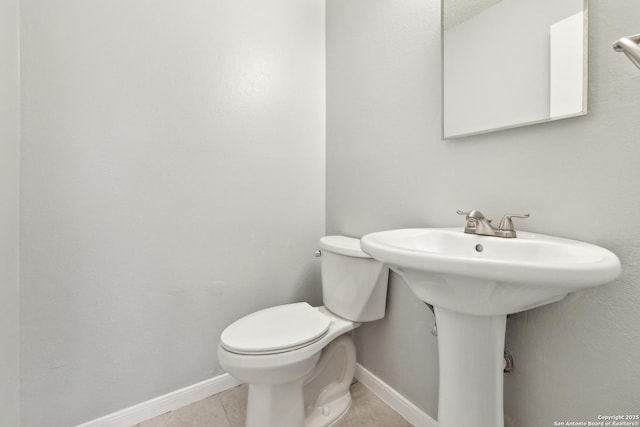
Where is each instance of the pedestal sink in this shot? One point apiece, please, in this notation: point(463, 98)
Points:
point(473, 282)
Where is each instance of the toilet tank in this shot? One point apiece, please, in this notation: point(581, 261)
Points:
point(354, 285)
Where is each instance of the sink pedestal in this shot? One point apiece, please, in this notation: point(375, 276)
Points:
point(471, 355)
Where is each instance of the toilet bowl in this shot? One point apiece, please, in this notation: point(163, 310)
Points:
point(299, 360)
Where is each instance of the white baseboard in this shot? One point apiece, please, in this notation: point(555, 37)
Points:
point(185, 396)
point(163, 404)
point(395, 400)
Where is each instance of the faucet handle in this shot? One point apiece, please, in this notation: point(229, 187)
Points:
point(476, 223)
point(471, 214)
point(505, 228)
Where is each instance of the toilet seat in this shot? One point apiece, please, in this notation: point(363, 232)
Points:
point(276, 330)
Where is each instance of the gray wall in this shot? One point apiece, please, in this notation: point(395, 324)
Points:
point(388, 168)
point(172, 182)
point(9, 152)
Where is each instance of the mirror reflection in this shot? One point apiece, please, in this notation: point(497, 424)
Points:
point(509, 63)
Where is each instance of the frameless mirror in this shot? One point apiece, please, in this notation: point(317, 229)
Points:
point(509, 63)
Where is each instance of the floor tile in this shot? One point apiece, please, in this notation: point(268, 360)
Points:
point(204, 413)
point(228, 409)
point(234, 402)
point(367, 410)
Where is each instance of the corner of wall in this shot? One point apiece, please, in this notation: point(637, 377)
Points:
point(9, 217)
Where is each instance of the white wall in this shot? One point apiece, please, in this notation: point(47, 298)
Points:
point(172, 181)
point(9, 152)
point(387, 168)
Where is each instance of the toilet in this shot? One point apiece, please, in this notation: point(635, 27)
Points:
point(299, 360)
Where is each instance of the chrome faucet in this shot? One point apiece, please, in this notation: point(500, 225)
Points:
point(478, 224)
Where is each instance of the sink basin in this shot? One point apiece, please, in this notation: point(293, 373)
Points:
point(473, 282)
point(485, 275)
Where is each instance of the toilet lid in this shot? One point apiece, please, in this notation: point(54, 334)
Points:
point(275, 330)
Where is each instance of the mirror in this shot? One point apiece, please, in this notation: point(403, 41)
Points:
point(509, 63)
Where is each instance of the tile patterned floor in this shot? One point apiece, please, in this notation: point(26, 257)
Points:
point(227, 409)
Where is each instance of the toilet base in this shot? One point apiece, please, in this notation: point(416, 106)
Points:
point(276, 405)
point(280, 406)
point(318, 399)
point(328, 414)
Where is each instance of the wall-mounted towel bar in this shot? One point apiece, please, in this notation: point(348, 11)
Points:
point(631, 47)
